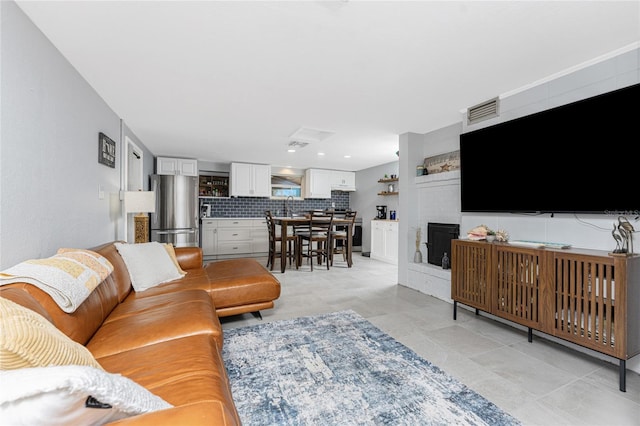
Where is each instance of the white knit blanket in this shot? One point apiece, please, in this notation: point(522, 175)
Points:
point(58, 395)
point(69, 277)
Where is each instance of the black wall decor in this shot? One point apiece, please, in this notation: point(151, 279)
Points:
point(106, 150)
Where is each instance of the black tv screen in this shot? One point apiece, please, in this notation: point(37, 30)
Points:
point(576, 158)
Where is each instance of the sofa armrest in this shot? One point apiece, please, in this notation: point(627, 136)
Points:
point(199, 413)
point(189, 257)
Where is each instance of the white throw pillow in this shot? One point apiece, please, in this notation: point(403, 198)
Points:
point(72, 394)
point(149, 264)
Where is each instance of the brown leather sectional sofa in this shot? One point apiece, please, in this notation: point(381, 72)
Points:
point(168, 338)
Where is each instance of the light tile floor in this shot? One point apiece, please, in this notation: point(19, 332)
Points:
point(540, 383)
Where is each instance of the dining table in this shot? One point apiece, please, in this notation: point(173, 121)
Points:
point(285, 222)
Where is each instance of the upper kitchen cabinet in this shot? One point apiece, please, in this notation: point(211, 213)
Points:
point(317, 183)
point(176, 166)
point(250, 180)
point(343, 181)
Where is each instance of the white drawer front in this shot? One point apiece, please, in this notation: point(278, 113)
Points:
point(260, 246)
point(235, 234)
point(235, 223)
point(260, 234)
point(230, 247)
point(209, 223)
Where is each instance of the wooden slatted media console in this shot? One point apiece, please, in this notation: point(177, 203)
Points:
point(586, 297)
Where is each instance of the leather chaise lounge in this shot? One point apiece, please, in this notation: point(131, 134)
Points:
point(168, 339)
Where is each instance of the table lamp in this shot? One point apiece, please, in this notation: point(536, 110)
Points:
point(141, 203)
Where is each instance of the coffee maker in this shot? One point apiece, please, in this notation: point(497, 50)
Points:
point(382, 212)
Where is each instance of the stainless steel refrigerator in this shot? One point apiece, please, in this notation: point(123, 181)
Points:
point(176, 217)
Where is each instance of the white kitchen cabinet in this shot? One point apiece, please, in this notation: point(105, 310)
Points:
point(227, 237)
point(176, 166)
point(317, 183)
point(343, 181)
point(250, 180)
point(260, 236)
point(209, 240)
point(234, 236)
point(384, 240)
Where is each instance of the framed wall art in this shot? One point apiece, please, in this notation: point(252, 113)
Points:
point(106, 150)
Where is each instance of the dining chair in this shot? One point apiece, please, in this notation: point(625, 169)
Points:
point(315, 242)
point(274, 239)
point(340, 238)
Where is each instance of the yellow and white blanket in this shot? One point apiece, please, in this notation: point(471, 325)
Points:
point(69, 277)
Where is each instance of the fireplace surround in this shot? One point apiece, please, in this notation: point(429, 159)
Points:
point(439, 236)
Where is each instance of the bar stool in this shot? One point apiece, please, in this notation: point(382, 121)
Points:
point(274, 239)
point(319, 233)
point(345, 237)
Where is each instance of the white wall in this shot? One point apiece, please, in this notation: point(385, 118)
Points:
point(439, 202)
point(49, 166)
point(366, 198)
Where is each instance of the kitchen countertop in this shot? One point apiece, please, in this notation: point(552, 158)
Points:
point(232, 218)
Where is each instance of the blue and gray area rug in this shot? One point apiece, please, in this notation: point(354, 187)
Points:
point(339, 369)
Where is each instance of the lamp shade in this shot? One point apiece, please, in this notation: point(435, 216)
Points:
point(140, 202)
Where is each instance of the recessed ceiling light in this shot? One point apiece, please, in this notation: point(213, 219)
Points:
point(347, 156)
point(321, 153)
point(291, 150)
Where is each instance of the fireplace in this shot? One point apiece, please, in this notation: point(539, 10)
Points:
point(439, 236)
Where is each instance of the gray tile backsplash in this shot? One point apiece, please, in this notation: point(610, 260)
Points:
point(255, 207)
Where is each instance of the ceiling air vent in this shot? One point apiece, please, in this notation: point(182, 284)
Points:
point(483, 111)
point(310, 135)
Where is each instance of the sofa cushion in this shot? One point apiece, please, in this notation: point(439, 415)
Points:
point(181, 371)
point(239, 282)
point(119, 278)
point(30, 340)
point(199, 413)
point(149, 264)
point(65, 395)
point(196, 279)
point(139, 322)
point(189, 257)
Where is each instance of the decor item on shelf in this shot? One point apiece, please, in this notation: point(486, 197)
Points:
point(392, 215)
point(419, 170)
point(502, 235)
point(442, 163)
point(445, 261)
point(623, 235)
point(417, 257)
point(479, 233)
point(390, 188)
point(142, 203)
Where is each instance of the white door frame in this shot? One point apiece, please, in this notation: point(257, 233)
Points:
point(130, 183)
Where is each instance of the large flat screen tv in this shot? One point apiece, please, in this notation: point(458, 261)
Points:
point(576, 158)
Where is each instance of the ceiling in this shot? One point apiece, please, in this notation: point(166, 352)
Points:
point(227, 81)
